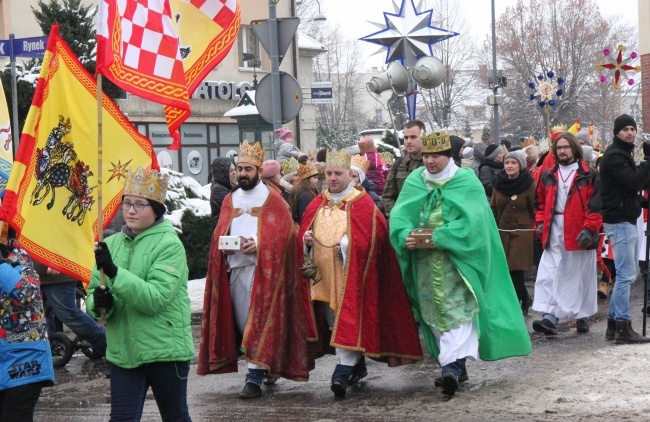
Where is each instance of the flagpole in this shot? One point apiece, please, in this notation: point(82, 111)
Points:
point(100, 220)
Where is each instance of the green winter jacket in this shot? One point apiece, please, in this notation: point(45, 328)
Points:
point(150, 318)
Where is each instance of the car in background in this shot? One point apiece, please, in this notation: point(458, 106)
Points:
point(377, 135)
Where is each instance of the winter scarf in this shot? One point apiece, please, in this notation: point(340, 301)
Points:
point(510, 187)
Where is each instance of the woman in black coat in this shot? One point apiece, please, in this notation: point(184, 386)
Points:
point(221, 170)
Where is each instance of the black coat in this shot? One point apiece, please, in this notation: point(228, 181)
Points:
point(620, 181)
point(220, 170)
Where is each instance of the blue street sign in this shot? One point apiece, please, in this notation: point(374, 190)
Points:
point(30, 47)
point(5, 48)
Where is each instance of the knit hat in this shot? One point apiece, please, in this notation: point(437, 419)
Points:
point(270, 169)
point(519, 156)
point(468, 153)
point(283, 133)
point(492, 151)
point(623, 121)
point(158, 208)
point(583, 135)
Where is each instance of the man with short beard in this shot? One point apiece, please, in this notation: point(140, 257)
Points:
point(360, 301)
point(254, 300)
point(568, 220)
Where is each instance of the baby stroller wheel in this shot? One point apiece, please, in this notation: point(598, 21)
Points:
point(61, 349)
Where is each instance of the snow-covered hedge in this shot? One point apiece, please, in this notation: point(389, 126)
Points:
point(185, 193)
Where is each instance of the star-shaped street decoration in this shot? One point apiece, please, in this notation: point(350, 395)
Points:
point(119, 170)
point(408, 34)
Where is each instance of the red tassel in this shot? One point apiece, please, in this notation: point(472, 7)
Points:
point(176, 144)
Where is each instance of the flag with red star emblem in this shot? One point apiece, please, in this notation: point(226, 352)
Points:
point(51, 196)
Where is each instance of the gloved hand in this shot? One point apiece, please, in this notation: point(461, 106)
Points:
point(103, 298)
point(585, 238)
point(104, 260)
point(646, 150)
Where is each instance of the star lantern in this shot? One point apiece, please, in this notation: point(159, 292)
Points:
point(618, 66)
point(546, 90)
point(408, 35)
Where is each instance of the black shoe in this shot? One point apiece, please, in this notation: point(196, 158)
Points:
point(359, 372)
point(582, 326)
point(462, 378)
point(250, 391)
point(339, 386)
point(269, 380)
point(611, 329)
point(526, 304)
point(626, 335)
point(449, 384)
point(545, 326)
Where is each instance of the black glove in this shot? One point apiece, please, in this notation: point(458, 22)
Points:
point(303, 159)
point(585, 238)
point(646, 150)
point(103, 298)
point(104, 260)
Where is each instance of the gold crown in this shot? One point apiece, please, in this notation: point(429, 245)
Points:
point(338, 159)
point(289, 166)
point(305, 171)
point(361, 162)
point(435, 143)
point(149, 184)
point(366, 145)
point(310, 155)
point(528, 142)
point(558, 128)
point(251, 154)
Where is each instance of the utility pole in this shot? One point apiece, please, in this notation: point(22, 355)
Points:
point(495, 87)
point(275, 70)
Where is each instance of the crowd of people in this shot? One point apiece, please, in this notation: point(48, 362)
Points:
point(343, 253)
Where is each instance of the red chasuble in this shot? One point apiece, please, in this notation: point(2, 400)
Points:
point(277, 330)
point(374, 316)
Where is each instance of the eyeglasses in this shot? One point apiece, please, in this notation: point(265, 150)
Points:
point(138, 206)
point(563, 147)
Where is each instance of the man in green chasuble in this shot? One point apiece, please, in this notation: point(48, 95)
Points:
point(459, 286)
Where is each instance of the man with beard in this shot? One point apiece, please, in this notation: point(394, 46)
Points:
point(568, 220)
point(487, 171)
point(360, 302)
point(254, 302)
point(455, 273)
point(622, 180)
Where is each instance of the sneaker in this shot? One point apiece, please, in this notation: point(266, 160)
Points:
point(582, 326)
point(449, 384)
point(462, 378)
point(250, 391)
point(339, 387)
point(545, 326)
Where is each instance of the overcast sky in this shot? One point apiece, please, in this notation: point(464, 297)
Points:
point(352, 16)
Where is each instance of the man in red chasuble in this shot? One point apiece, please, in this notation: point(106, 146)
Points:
point(360, 302)
point(255, 303)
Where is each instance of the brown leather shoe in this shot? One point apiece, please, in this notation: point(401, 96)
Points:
point(611, 329)
point(603, 286)
point(626, 335)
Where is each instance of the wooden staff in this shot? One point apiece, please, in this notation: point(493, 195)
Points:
point(100, 219)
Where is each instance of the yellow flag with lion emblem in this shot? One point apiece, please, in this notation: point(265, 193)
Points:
point(51, 196)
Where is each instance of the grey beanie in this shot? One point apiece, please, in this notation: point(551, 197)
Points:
point(583, 135)
point(519, 156)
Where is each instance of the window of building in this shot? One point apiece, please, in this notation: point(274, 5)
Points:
point(379, 115)
point(248, 45)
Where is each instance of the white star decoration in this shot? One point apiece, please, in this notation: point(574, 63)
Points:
point(408, 34)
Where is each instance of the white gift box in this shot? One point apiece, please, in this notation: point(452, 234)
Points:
point(230, 243)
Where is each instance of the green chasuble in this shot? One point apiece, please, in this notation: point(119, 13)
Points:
point(469, 238)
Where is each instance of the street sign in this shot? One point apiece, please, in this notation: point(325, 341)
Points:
point(321, 93)
point(24, 47)
point(30, 47)
point(286, 29)
point(290, 94)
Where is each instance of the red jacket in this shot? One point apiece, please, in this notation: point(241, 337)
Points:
point(582, 207)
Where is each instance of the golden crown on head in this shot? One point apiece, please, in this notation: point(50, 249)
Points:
point(307, 170)
point(149, 184)
point(528, 142)
point(366, 145)
point(558, 128)
point(361, 162)
point(435, 142)
point(289, 166)
point(251, 154)
point(338, 159)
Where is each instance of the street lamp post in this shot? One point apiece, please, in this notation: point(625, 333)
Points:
point(495, 87)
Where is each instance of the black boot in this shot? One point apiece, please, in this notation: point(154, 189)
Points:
point(611, 329)
point(626, 335)
point(341, 379)
point(462, 378)
point(359, 372)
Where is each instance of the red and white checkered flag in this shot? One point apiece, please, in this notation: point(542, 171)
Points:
point(138, 49)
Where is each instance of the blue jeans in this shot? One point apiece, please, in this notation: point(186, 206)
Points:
point(62, 299)
point(624, 240)
point(168, 381)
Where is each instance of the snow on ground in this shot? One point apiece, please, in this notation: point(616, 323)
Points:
point(195, 289)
